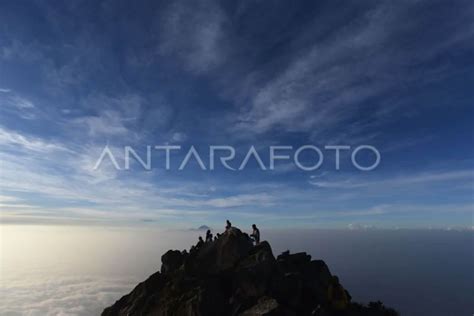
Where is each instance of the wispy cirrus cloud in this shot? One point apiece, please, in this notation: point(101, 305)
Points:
point(326, 85)
point(241, 200)
point(406, 180)
point(213, 73)
point(15, 141)
point(21, 103)
point(62, 184)
point(194, 33)
point(17, 105)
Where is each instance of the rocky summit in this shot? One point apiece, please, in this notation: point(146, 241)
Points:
point(231, 276)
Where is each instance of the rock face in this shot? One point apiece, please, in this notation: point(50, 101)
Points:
point(230, 276)
point(171, 261)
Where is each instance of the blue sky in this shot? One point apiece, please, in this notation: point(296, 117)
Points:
point(80, 75)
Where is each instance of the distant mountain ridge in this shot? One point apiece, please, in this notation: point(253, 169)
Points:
point(230, 276)
point(201, 228)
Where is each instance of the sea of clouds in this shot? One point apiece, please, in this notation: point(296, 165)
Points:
point(61, 296)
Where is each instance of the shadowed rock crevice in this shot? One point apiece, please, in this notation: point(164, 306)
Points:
point(230, 276)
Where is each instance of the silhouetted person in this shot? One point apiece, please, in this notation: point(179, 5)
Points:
point(208, 236)
point(200, 243)
point(255, 234)
point(228, 225)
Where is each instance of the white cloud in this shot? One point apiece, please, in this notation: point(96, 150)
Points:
point(128, 117)
point(16, 141)
point(325, 215)
point(358, 226)
point(324, 87)
point(241, 200)
point(67, 180)
point(194, 32)
point(7, 198)
point(405, 180)
point(112, 115)
point(19, 50)
point(107, 123)
point(178, 137)
point(19, 105)
point(316, 82)
point(22, 103)
point(63, 178)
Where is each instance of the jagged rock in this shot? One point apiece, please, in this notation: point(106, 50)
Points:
point(220, 255)
point(171, 261)
point(231, 247)
point(253, 275)
point(140, 299)
point(232, 277)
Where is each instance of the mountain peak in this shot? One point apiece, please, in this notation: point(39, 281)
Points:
point(231, 276)
point(201, 228)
